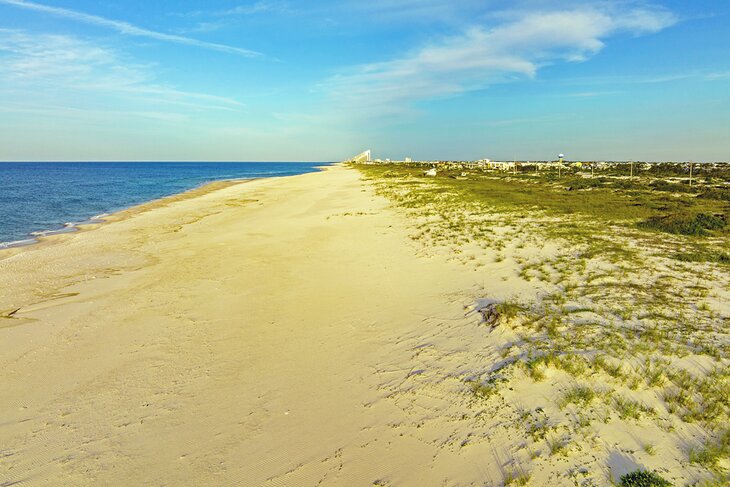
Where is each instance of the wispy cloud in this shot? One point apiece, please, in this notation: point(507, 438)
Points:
point(71, 112)
point(255, 8)
point(51, 67)
point(593, 94)
point(513, 49)
point(127, 28)
point(718, 76)
point(220, 19)
point(523, 121)
point(414, 10)
point(619, 80)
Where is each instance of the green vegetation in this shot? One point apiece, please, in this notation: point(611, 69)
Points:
point(557, 446)
point(703, 256)
point(660, 205)
point(517, 477)
point(509, 310)
point(710, 455)
point(643, 478)
point(683, 224)
point(483, 390)
point(581, 395)
point(629, 276)
point(628, 408)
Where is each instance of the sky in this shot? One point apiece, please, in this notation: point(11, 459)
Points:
point(285, 80)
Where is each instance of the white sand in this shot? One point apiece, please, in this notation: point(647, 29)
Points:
point(266, 333)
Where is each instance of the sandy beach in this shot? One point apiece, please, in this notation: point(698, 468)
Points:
point(408, 243)
point(323, 329)
point(264, 333)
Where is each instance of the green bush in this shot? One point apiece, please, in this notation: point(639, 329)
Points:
point(719, 257)
point(662, 185)
point(683, 224)
point(643, 478)
point(716, 194)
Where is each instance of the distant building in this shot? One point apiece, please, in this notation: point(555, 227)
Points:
point(408, 159)
point(362, 158)
point(500, 165)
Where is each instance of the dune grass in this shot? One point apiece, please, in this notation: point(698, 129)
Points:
point(629, 294)
point(617, 201)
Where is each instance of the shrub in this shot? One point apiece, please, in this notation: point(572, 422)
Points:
point(716, 194)
point(662, 185)
point(683, 224)
point(643, 478)
point(718, 257)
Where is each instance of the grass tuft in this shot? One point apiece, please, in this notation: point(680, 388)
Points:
point(581, 395)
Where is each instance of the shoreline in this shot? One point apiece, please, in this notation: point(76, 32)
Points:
point(38, 237)
point(342, 328)
point(41, 237)
point(199, 342)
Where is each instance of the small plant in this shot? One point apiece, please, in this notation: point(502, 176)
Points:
point(537, 424)
point(581, 395)
point(570, 363)
point(482, 390)
point(709, 456)
point(628, 408)
point(517, 477)
point(509, 310)
point(643, 478)
point(534, 368)
point(655, 376)
point(614, 370)
point(557, 445)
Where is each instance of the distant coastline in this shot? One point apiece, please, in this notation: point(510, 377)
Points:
point(73, 196)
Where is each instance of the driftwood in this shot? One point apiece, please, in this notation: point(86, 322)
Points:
point(10, 314)
point(491, 314)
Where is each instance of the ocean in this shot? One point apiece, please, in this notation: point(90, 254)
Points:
point(38, 198)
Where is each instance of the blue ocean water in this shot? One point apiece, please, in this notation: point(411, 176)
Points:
point(47, 196)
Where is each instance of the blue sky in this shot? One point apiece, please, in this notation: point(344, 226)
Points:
point(321, 80)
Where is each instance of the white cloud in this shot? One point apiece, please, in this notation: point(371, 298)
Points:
point(718, 76)
point(514, 49)
point(52, 67)
point(127, 28)
point(414, 10)
point(255, 8)
point(221, 19)
point(593, 94)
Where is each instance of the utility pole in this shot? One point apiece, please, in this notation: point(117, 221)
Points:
point(632, 170)
point(592, 170)
point(690, 174)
